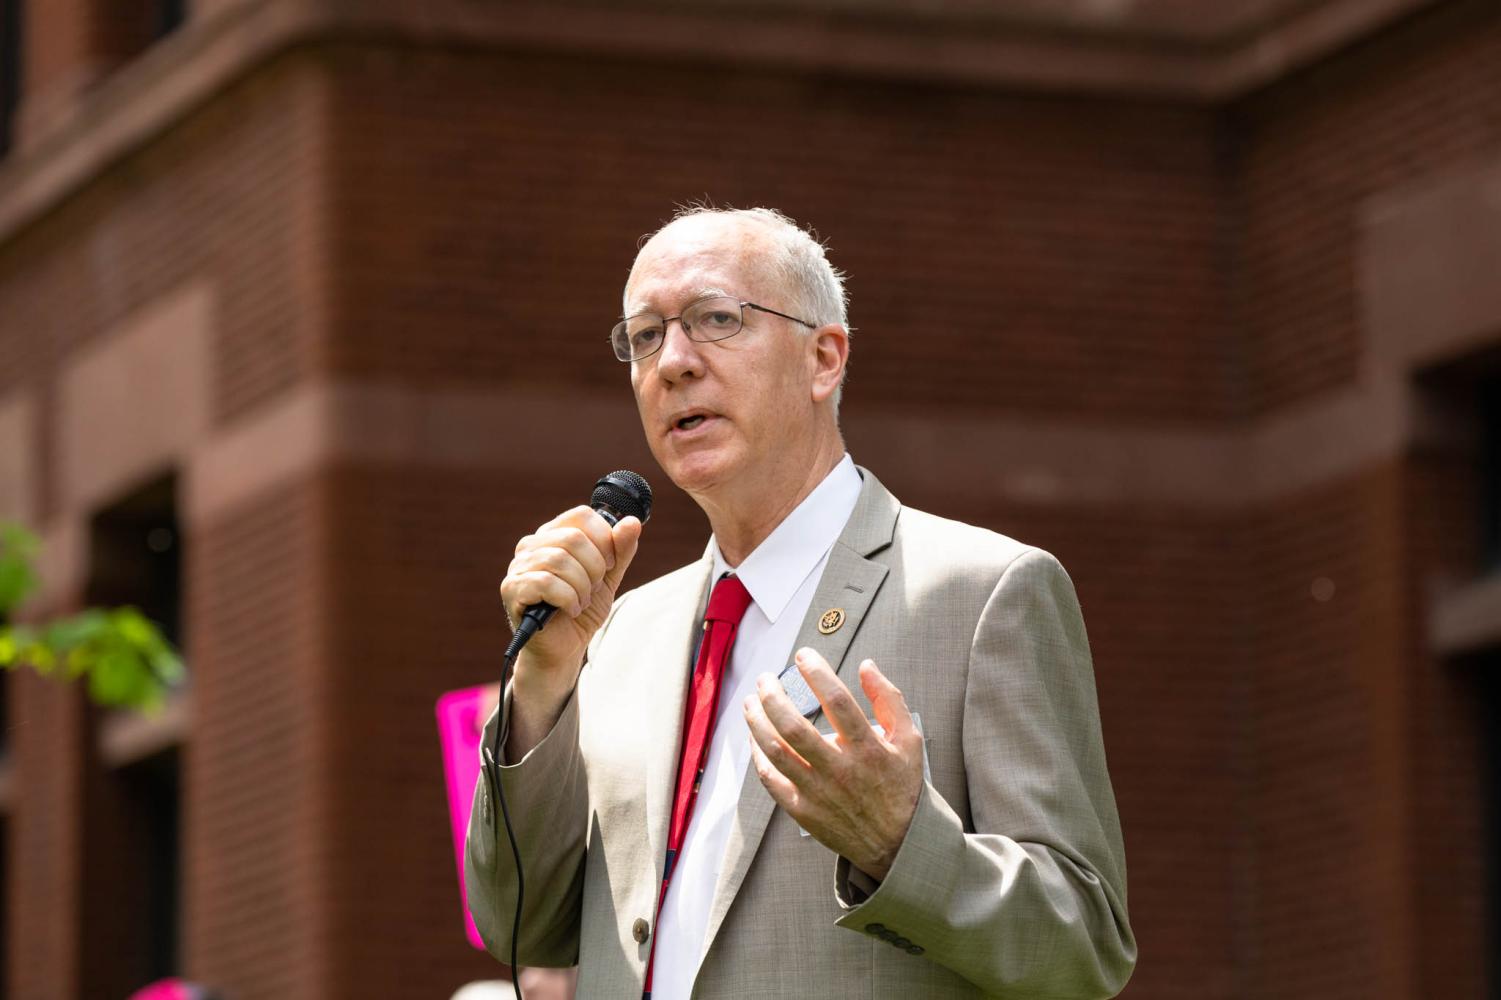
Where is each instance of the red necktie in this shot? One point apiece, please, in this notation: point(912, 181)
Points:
point(727, 606)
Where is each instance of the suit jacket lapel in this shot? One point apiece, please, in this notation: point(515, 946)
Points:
point(850, 581)
point(669, 635)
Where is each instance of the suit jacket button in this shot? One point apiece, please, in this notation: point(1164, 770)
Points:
point(914, 949)
point(640, 930)
point(876, 929)
point(901, 943)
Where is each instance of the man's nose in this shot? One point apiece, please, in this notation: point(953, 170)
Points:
point(680, 356)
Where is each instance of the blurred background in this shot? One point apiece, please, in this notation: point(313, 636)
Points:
point(303, 319)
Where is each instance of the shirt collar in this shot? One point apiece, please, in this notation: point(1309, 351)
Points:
point(780, 564)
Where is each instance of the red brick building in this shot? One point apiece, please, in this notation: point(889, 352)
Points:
point(1206, 298)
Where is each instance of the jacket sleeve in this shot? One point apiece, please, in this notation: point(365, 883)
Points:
point(547, 799)
point(1031, 902)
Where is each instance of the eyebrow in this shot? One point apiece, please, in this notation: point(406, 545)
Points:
point(703, 293)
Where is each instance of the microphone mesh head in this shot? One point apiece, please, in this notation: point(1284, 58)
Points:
point(624, 492)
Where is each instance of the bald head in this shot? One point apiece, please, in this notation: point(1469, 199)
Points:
point(786, 263)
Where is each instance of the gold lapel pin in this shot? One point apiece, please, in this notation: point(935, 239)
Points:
point(831, 620)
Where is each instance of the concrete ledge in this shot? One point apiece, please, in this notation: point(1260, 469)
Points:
point(1090, 55)
point(126, 737)
point(1027, 460)
point(1468, 619)
point(324, 423)
point(1430, 257)
point(18, 459)
point(135, 399)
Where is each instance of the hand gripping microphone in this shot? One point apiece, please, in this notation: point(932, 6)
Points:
point(617, 496)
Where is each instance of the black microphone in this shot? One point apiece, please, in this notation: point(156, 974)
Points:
point(619, 495)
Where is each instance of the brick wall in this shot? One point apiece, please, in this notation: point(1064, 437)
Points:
point(428, 217)
point(1329, 792)
point(1447, 726)
point(45, 843)
point(226, 197)
point(257, 836)
point(489, 200)
point(1413, 102)
point(222, 198)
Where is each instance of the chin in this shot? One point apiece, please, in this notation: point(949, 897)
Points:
point(697, 473)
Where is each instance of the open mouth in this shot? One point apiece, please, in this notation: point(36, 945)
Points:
point(691, 420)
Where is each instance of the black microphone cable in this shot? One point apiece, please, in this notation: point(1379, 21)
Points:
point(619, 495)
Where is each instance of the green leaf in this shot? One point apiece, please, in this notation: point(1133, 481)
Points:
point(18, 549)
point(123, 654)
point(132, 626)
point(66, 633)
point(167, 666)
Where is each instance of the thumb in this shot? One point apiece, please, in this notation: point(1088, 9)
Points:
point(627, 534)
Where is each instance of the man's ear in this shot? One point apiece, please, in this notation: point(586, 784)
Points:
point(828, 353)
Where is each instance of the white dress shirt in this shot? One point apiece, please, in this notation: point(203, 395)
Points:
point(781, 575)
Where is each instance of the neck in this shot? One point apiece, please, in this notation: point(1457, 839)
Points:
point(741, 526)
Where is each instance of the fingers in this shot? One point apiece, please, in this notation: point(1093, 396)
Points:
point(550, 573)
point(587, 520)
point(797, 731)
point(782, 790)
point(565, 562)
point(522, 589)
point(768, 744)
point(889, 704)
point(838, 703)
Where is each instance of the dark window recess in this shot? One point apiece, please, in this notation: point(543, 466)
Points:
point(1489, 670)
point(126, 28)
point(169, 16)
point(5, 920)
point(132, 804)
point(10, 69)
point(135, 556)
point(1462, 400)
point(133, 873)
point(152, 788)
point(1488, 413)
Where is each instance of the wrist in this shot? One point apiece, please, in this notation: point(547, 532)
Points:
point(876, 869)
point(540, 687)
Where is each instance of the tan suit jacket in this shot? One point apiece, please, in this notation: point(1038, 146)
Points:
point(1011, 881)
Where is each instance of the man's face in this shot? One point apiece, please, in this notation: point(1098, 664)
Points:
point(728, 414)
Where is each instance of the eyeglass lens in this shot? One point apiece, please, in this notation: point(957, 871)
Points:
point(706, 320)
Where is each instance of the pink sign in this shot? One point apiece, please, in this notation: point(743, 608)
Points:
point(461, 719)
point(166, 989)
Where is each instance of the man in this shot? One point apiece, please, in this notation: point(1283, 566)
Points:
point(964, 843)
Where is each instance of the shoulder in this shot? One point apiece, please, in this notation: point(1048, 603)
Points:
point(974, 572)
point(940, 545)
point(939, 561)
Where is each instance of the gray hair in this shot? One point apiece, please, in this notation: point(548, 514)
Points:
point(798, 262)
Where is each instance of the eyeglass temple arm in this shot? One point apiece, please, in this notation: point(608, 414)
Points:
point(783, 315)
